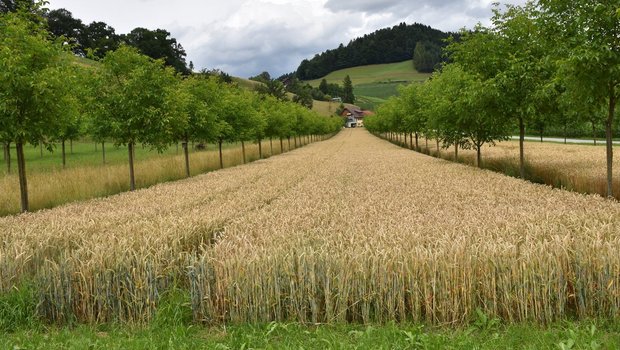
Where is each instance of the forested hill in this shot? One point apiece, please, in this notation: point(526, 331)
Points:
point(386, 45)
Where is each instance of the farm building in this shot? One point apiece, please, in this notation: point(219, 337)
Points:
point(355, 116)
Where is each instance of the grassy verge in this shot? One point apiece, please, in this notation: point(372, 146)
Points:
point(586, 335)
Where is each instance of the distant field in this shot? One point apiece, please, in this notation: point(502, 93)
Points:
point(402, 72)
point(374, 84)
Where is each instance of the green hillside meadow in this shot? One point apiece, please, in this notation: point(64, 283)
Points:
point(373, 84)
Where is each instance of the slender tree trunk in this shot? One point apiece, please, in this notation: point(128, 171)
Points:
point(608, 133)
point(521, 151)
point(565, 133)
point(426, 140)
point(132, 178)
point(594, 132)
point(479, 156)
point(103, 150)
point(64, 155)
point(410, 140)
point(7, 156)
point(456, 152)
point(186, 155)
point(281, 145)
point(41, 149)
point(541, 136)
point(271, 146)
point(221, 158)
point(295, 140)
point(243, 150)
point(23, 184)
point(417, 145)
point(260, 149)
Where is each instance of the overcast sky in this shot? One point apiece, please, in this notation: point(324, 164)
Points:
point(246, 37)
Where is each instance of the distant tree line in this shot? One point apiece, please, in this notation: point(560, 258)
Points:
point(98, 38)
point(304, 94)
point(388, 45)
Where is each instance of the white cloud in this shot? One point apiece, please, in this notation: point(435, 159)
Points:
point(246, 37)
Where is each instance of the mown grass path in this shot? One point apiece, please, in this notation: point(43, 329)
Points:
point(353, 229)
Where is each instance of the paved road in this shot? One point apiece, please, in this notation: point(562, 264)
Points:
point(555, 139)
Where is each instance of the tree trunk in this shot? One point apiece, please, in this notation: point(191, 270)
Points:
point(271, 146)
point(521, 152)
point(608, 133)
point(186, 155)
point(260, 149)
point(479, 156)
point(221, 159)
point(417, 145)
point(7, 156)
point(23, 184)
point(541, 136)
point(594, 132)
point(456, 152)
point(243, 150)
point(295, 140)
point(132, 178)
point(64, 155)
point(103, 150)
point(40, 149)
point(281, 145)
point(426, 140)
point(410, 140)
point(565, 132)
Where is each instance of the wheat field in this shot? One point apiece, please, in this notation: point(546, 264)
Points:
point(580, 168)
point(353, 229)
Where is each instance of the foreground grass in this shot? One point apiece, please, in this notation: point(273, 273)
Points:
point(586, 335)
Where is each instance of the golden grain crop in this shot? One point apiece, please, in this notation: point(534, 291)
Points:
point(580, 168)
point(350, 229)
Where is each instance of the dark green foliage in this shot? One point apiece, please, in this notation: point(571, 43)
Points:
point(99, 39)
point(347, 91)
point(14, 5)
point(426, 56)
point(158, 44)
point(60, 22)
point(274, 88)
point(264, 77)
point(386, 45)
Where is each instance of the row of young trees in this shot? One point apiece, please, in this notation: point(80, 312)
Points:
point(549, 62)
point(129, 99)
